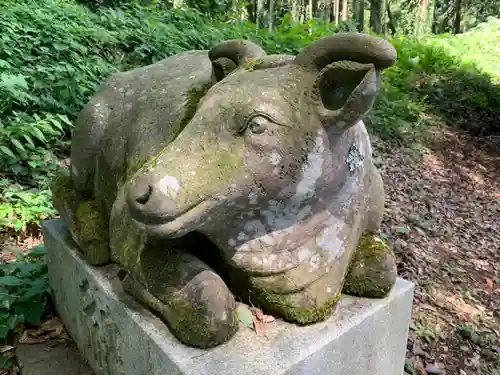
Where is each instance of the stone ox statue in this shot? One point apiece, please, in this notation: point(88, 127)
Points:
point(229, 172)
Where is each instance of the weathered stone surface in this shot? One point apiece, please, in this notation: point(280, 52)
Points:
point(264, 159)
point(51, 358)
point(119, 337)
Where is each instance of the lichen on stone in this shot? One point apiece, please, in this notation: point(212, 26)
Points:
point(252, 64)
point(372, 272)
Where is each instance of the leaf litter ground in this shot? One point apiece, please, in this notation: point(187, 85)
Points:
point(443, 221)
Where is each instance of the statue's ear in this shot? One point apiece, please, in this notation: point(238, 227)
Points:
point(230, 55)
point(347, 67)
point(347, 91)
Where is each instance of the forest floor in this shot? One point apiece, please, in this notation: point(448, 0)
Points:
point(443, 222)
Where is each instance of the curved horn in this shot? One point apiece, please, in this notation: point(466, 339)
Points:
point(239, 51)
point(361, 48)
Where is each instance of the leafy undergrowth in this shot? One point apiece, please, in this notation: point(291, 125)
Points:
point(24, 296)
point(442, 219)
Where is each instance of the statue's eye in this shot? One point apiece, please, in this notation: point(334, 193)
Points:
point(257, 124)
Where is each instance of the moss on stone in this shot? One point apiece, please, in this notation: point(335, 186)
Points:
point(93, 232)
point(253, 64)
point(191, 325)
point(283, 306)
point(85, 220)
point(193, 99)
point(62, 189)
point(372, 272)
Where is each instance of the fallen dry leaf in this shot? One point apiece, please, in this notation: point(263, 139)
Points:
point(268, 319)
point(259, 314)
point(260, 327)
point(6, 348)
point(52, 329)
point(489, 284)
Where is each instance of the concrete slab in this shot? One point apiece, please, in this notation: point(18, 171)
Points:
point(51, 358)
point(119, 337)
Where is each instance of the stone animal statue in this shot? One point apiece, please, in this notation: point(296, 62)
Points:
point(229, 173)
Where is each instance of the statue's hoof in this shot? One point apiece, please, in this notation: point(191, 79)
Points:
point(202, 314)
point(373, 269)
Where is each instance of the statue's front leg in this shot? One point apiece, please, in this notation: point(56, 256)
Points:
point(372, 270)
point(188, 295)
point(88, 226)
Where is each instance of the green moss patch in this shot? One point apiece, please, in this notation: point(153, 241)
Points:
point(372, 272)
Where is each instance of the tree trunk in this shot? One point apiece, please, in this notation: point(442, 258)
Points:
point(271, 15)
point(337, 9)
point(390, 20)
point(345, 10)
point(359, 11)
point(251, 10)
point(260, 13)
point(456, 23)
point(378, 10)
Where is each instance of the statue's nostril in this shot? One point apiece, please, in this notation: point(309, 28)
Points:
point(143, 197)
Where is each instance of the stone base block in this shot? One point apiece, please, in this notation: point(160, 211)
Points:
point(119, 337)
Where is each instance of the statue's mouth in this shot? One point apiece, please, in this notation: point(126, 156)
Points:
point(167, 225)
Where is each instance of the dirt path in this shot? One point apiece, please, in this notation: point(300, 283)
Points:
point(443, 221)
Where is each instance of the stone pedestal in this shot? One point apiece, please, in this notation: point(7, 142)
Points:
point(119, 337)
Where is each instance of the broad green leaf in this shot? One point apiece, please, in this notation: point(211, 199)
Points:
point(32, 310)
point(38, 251)
point(11, 281)
point(6, 151)
point(5, 362)
point(18, 145)
point(38, 134)
point(244, 315)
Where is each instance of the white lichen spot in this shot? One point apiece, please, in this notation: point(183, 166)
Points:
point(252, 198)
point(244, 247)
point(193, 173)
point(330, 242)
point(354, 158)
point(311, 170)
point(328, 290)
point(169, 185)
point(304, 254)
point(231, 242)
point(314, 262)
point(242, 236)
point(274, 158)
point(223, 316)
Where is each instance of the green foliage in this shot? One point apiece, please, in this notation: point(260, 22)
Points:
point(24, 288)
point(22, 210)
